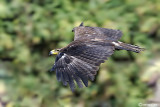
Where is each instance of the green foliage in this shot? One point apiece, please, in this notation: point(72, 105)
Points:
point(29, 29)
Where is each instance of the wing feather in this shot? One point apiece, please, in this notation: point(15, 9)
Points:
point(71, 82)
point(80, 62)
point(80, 72)
point(64, 77)
point(58, 74)
point(76, 78)
point(97, 33)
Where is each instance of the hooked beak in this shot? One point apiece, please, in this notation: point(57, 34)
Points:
point(53, 52)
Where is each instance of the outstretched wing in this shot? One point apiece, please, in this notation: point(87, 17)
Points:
point(109, 34)
point(93, 33)
point(80, 62)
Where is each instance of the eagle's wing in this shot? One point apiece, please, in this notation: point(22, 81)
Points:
point(110, 34)
point(97, 33)
point(80, 62)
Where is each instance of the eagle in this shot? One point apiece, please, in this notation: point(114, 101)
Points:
point(80, 60)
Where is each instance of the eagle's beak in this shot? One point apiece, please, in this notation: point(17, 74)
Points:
point(53, 52)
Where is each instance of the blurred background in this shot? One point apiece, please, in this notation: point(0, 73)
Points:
point(29, 29)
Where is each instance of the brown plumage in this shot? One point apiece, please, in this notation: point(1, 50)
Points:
point(80, 60)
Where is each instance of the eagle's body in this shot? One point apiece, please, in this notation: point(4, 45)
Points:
point(80, 60)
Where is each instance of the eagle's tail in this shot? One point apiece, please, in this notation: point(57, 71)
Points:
point(128, 47)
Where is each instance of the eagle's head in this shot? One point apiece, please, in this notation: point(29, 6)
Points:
point(54, 52)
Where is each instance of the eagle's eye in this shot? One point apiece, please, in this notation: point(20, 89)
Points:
point(58, 50)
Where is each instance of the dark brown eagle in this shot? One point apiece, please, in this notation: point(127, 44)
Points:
point(80, 60)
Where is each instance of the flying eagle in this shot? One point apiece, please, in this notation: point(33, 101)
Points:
point(80, 60)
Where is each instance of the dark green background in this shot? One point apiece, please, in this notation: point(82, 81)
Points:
point(29, 29)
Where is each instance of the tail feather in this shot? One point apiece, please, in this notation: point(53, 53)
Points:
point(128, 47)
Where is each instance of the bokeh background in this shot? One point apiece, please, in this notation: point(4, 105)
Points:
point(29, 29)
